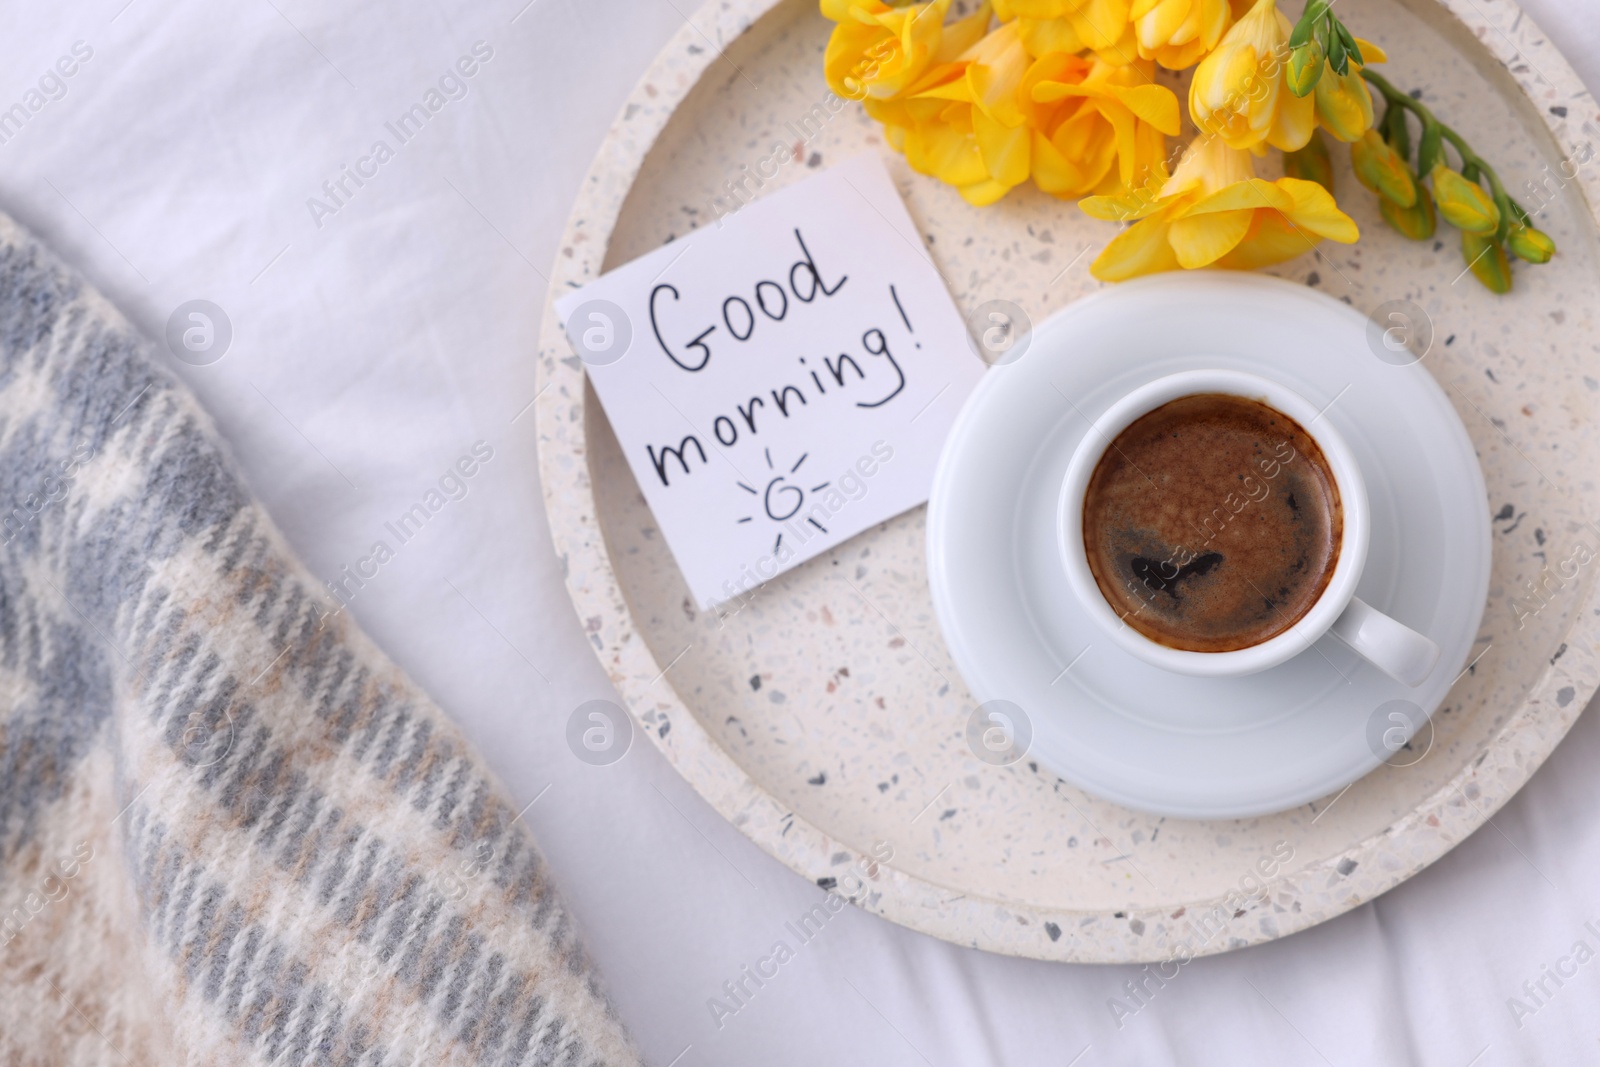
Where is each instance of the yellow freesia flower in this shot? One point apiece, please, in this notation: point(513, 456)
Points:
point(1087, 115)
point(877, 52)
point(1238, 91)
point(1176, 33)
point(1072, 26)
point(1214, 212)
point(963, 122)
point(1343, 101)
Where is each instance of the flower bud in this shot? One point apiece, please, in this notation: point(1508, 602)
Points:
point(1344, 106)
point(1529, 244)
point(1487, 261)
point(1310, 163)
point(1305, 67)
point(1463, 203)
point(1417, 221)
point(1381, 169)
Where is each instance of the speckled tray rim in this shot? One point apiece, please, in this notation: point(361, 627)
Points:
point(1387, 858)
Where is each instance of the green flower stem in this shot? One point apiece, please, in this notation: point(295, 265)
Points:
point(1471, 162)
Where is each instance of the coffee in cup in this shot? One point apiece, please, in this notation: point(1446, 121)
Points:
point(1212, 523)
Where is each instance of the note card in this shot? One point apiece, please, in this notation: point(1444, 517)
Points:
point(781, 381)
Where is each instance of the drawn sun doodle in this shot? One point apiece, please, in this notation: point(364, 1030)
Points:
point(783, 499)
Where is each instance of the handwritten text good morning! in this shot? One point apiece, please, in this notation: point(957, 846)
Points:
point(782, 381)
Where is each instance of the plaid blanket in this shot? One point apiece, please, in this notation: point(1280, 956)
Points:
point(231, 832)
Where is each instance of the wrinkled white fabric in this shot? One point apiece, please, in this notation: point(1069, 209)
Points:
point(370, 354)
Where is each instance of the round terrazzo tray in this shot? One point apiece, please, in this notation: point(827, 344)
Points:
point(828, 725)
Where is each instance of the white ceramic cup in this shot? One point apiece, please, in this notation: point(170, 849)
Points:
point(1393, 647)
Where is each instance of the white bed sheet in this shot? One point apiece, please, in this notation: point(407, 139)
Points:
point(371, 351)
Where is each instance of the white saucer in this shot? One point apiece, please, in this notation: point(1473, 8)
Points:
point(1132, 733)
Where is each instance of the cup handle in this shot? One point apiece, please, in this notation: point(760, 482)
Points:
point(1392, 647)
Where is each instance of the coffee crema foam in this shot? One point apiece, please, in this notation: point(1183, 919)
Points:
point(1212, 523)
